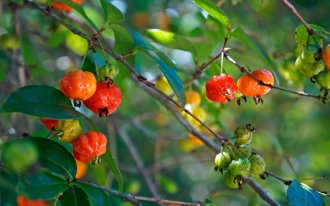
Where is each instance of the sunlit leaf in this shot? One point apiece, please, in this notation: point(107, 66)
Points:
point(112, 14)
point(213, 10)
point(170, 39)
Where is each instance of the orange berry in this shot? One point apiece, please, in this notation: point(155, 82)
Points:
point(249, 87)
point(78, 85)
point(81, 169)
point(63, 7)
point(326, 56)
point(88, 147)
point(105, 100)
point(24, 201)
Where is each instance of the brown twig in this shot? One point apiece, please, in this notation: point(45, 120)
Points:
point(296, 13)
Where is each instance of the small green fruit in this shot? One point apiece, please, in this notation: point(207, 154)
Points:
point(312, 53)
point(108, 72)
point(222, 160)
point(323, 79)
point(19, 155)
point(240, 167)
point(310, 63)
point(230, 180)
point(258, 165)
point(10, 42)
point(68, 130)
point(243, 150)
point(243, 135)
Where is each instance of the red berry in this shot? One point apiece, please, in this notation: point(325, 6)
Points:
point(250, 87)
point(105, 100)
point(63, 7)
point(49, 123)
point(24, 201)
point(90, 146)
point(221, 88)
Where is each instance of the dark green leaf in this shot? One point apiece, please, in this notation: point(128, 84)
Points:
point(75, 197)
point(42, 101)
point(112, 14)
point(124, 44)
point(81, 11)
point(43, 185)
point(170, 39)
point(173, 79)
point(95, 195)
point(240, 34)
point(302, 195)
point(208, 202)
point(88, 63)
point(55, 157)
point(113, 167)
point(168, 71)
point(139, 41)
point(213, 10)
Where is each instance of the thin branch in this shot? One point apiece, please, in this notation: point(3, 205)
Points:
point(134, 199)
point(138, 160)
point(261, 191)
point(300, 93)
point(296, 13)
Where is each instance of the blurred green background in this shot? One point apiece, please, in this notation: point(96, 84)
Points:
point(292, 132)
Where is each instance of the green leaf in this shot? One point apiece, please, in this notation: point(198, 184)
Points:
point(88, 63)
point(208, 202)
point(172, 78)
point(240, 34)
point(81, 11)
point(55, 157)
point(170, 39)
point(108, 157)
point(302, 195)
point(124, 44)
point(43, 185)
point(302, 37)
point(41, 101)
point(112, 14)
point(75, 197)
point(95, 195)
point(213, 10)
point(168, 71)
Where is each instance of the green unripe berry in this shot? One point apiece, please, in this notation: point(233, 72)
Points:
point(240, 167)
point(310, 63)
point(230, 180)
point(68, 130)
point(19, 155)
point(222, 160)
point(258, 165)
point(243, 135)
point(242, 150)
point(323, 79)
point(108, 71)
point(10, 42)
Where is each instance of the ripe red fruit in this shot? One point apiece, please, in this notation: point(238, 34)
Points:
point(221, 88)
point(105, 100)
point(63, 7)
point(49, 123)
point(250, 87)
point(78, 85)
point(24, 201)
point(88, 147)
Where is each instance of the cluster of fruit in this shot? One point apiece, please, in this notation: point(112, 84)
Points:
point(222, 88)
point(311, 64)
point(239, 162)
point(101, 97)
